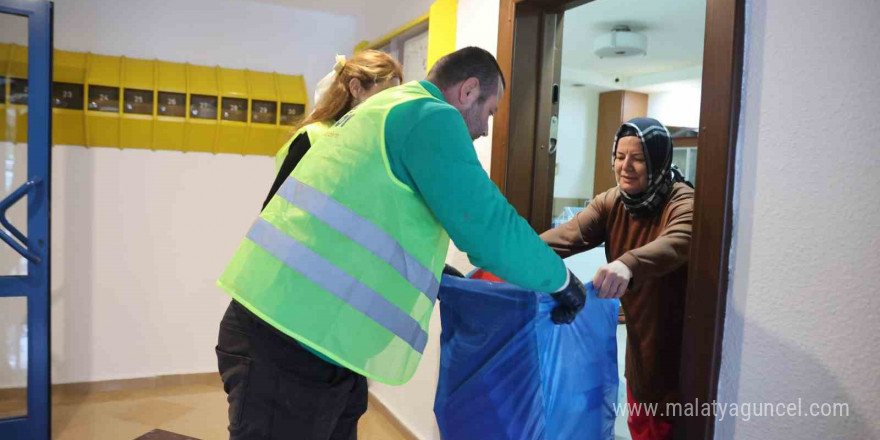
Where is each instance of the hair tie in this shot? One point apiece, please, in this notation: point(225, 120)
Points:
point(340, 64)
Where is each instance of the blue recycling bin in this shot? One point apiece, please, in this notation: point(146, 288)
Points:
point(508, 372)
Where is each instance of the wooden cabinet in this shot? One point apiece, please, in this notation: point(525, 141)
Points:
point(615, 108)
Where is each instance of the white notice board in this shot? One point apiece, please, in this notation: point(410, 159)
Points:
point(415, 57)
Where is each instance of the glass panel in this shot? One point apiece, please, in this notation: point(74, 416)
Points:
point(104, 99)
point(13, 357)
point(14, 176)
point(415, 57)
point(18, 91)
point(67, 95)
point(264, 112)
point(203, 106)
point(139, 102)
point(234, 109)
point(172, 104)
point(291, 114)
point(13, 140)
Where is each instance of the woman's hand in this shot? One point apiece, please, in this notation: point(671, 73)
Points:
point(612, 279)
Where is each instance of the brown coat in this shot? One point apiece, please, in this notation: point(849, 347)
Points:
point(656, 250)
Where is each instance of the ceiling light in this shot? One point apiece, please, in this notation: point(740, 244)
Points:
point(620, 42)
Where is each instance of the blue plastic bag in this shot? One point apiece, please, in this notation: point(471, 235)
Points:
point(508, 372)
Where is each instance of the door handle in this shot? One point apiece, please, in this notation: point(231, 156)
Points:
point(5, 204)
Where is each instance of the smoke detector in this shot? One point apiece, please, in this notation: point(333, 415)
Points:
point(620, 42)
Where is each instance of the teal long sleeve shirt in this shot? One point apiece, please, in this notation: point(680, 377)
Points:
point(430, 150)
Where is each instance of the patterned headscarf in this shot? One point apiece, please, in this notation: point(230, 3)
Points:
point(657, 147)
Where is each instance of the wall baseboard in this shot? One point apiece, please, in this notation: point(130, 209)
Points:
point(144, 383)
point(13, 401)
point(377, 404)
point(139, 383)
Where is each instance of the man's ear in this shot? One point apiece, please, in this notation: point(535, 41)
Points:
point(469, 91)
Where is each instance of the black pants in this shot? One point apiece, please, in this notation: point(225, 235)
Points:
point(279, 390)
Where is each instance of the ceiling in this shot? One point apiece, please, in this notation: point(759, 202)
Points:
point(374, 18)
point(342, 7)
point(674, 29)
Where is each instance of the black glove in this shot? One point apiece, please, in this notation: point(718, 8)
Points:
point(569, 301)
point(449, 270)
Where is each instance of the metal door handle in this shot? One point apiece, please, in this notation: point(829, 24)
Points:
point(5, 204)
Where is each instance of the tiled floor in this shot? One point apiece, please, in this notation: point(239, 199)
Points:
point(193, 410)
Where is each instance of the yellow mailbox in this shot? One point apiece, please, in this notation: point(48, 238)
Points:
point(201, 120)
point(233, 111)
point(108, 101)
point(171, 106)
point(138, 98)
point(5, 50)
point(103, 79)
point(17, 97)
point(294, 100)
point(263, 121)
point(68, 98)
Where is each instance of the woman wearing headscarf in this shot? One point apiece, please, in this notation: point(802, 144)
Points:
point(645, 223)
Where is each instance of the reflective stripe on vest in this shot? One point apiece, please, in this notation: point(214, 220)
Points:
point(345, 258)
point(361, 231)
point(342, 285)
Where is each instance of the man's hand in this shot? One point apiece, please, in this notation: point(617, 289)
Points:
point(570, 301)
point(612, 280)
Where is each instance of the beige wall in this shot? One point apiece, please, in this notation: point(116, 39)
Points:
point(803, 305)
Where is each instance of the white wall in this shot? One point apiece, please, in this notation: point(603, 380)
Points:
point(140, 237)
point(230, 33)
point(384, 16)
point(478, 26)
point(677, 105)
point(803, 306)
point(576, 145)
point(413, 403)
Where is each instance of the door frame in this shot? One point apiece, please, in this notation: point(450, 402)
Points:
point(35, 286)
point(706, 296)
